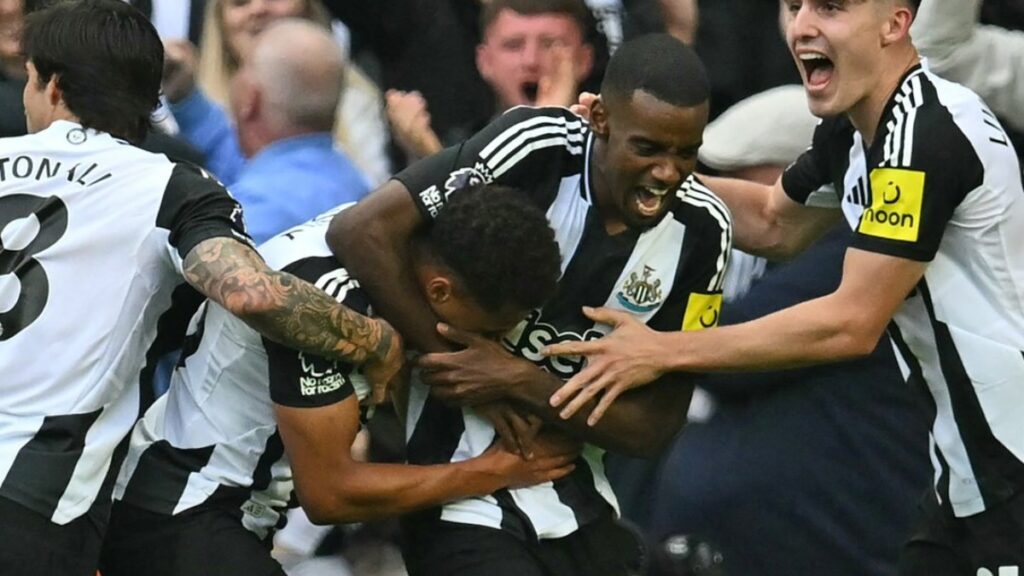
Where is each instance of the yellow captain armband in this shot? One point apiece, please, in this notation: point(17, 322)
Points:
point(702, 311)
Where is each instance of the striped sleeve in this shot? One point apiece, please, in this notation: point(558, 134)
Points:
point(928, 167)
point(301, 380)
point(527, 148)
point(696, 299)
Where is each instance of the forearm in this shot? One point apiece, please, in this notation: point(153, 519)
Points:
point(370, 491)
point(641, 423)
point(766, 222)
point(382, 262)
point(810, 333)
point(281, 306)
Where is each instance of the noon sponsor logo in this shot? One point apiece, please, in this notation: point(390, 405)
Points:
point(895, 210)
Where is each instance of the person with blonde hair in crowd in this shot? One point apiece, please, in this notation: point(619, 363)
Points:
point(197, 85)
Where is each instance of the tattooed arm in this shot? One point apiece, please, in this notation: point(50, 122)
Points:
point(291, 311)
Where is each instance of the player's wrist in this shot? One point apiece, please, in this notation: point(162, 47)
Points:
point(672, 352)
point(486, 473)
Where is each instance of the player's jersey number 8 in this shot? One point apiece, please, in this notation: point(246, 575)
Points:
point(28, 225)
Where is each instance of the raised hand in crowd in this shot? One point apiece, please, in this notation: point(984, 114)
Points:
point(410, 123)
point(557, 84)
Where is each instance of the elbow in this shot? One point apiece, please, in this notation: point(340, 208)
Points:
point(330, 515)
point(656, 441)
point(327, 509)
point(858, 338)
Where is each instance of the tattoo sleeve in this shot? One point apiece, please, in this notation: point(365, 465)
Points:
point(280, 306)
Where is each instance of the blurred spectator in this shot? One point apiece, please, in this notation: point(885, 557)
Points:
point(12, 69)
point(533, 52)
point(987, 59)
point(809, 471)
point(228, 34)
point(283, 102)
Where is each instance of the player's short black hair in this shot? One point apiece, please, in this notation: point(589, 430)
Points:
point(660, 65)
point(499, 246)
point(108, 60)
point(575, 9)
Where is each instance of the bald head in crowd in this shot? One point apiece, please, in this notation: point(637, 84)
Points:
point(290, 86)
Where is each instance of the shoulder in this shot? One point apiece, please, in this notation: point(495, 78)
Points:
point(527, 122)
point(700, 208)
point(939, 126)
point(188, 179)
point(295, 249)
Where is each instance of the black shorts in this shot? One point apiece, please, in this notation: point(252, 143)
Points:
point(605, 547)
point(945, 545)
point(204, 540)
point(32, 545)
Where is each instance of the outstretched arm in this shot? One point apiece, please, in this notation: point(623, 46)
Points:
point(484, 372)
point(289, 310)
point(842, 325)
point(334, 488)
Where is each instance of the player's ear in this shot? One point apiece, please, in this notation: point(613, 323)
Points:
point(897, 26)
point(439, 289)
point(54, 95)
point(599, 117)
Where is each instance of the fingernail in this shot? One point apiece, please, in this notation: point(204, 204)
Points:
point(555, 400)
point(564, 414)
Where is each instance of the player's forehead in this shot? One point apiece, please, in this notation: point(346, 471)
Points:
point(671, 124)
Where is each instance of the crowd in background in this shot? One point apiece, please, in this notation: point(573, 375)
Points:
point(815, 470)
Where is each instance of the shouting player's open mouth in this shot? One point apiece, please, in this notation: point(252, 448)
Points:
point(648, 200)
point(818, 70)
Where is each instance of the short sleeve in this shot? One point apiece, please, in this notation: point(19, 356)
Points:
point(196, 207)
point(527, 148)
point(695, 302)
point(911, 201)
point(303, 380)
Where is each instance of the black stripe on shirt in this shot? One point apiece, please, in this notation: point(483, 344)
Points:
point(164, 469)
point(578, 492)
point(998, 472)
point(44, 466)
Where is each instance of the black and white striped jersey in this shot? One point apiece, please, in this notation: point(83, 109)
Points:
point(941, 184)
point(93, 232)
point(212, 439)
point(670, 276)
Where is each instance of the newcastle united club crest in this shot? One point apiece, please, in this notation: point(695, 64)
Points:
point(640, 294)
